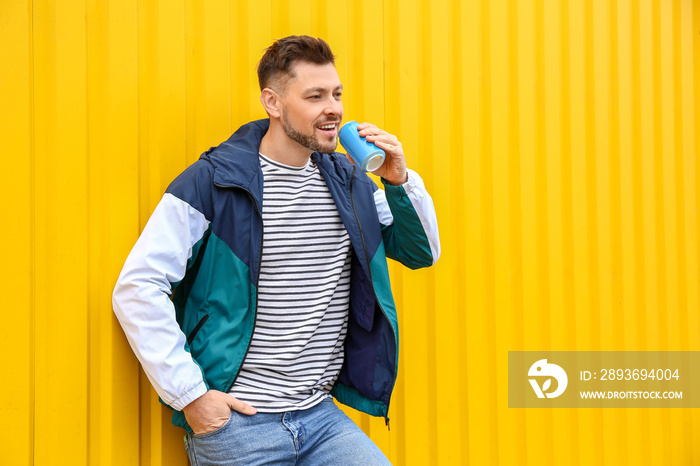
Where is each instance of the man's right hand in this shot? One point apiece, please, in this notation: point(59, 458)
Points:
point(211, 411)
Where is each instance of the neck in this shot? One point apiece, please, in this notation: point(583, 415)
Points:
point(277, 146)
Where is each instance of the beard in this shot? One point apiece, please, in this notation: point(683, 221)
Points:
point(310, 142)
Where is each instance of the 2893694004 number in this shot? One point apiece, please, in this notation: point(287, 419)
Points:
point(639, 374)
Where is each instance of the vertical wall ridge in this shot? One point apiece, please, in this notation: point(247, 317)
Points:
point(679, 180)
point(32, 241)
point(661, 338)
point(487, 219)
point(616, 214)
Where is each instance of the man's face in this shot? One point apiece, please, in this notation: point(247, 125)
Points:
point(312, 108)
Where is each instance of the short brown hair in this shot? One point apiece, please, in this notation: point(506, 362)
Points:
point(275, 67)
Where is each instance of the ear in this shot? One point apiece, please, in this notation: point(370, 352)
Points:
point(271, 101)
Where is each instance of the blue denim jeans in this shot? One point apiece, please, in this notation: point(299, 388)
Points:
point(319, 435)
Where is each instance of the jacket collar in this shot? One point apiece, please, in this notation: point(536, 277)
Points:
point(236, 162)
point(237, 165)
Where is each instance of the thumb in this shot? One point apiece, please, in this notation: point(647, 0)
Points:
point(241, 406)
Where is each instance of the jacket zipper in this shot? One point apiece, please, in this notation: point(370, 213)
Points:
point(369, 269)
point(257, 278)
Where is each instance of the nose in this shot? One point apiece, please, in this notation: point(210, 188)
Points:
point(334, 107)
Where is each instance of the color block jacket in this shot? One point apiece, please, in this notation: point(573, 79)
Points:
point(186, 297)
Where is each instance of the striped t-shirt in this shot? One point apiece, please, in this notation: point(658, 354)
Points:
point(303, 294)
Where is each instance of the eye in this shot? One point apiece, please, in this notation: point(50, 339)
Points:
point(314, 97)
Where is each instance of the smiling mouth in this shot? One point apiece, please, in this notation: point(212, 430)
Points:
point(328, 128)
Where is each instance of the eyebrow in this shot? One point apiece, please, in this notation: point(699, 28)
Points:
point(321, 89)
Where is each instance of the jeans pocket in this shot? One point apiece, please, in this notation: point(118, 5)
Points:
point(190, 451)
point(218, 430)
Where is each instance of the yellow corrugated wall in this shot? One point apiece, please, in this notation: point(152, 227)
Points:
point(558, 139)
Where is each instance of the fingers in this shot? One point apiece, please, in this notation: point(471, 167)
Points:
point(370, 130)
point(211, 411)
point(366, 126)
point(393, 170)
point(384, 145)
point(377, 135)
point(241, 406)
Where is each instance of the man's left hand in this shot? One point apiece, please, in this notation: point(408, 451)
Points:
point(393, 170)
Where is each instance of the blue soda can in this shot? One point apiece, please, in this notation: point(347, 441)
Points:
point(365, 154)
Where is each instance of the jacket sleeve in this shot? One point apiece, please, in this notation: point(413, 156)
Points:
point(409, 223)
point(141, 300)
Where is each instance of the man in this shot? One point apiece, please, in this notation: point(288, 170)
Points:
point(259, 288)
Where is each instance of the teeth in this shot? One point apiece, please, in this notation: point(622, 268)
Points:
point(327, 127)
